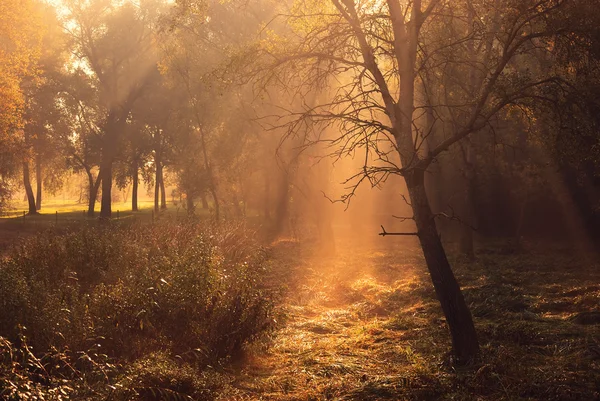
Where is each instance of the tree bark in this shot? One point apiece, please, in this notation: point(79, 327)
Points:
point(163, 193)
point(213, 193)
point(157, 184)
point(190, 204)
point(466, 231)
point(135, 184)
point(38, 182)
point(106, 176)
point(93, 192)
point(114, 125)
point(400, 112)
point(456, 311)
point(28, 189)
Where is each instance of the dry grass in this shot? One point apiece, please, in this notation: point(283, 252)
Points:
point(365, 325)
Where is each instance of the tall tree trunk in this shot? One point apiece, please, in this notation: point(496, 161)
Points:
point(106, 203)
point(28, 189)
point(212, 186)
point(38, 182)
point(93, 192)
point(207, 165)
point(400, 112)
point(434, 178)
point(163, 193)
point(157, 181)
point(114, 125)
point(190, 204)
point(213, 194)
point(134, 191)
point(456, 311)
point(156, 185)
point(466, 231)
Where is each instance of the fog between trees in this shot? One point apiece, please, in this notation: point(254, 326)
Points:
point(448, 121)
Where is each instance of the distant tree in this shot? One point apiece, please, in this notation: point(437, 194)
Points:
point(116, 44)
point(21, 32)
point(218, 115)
point(81, 142)
point(44, 119)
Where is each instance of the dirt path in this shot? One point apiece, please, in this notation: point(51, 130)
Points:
point(349, 328)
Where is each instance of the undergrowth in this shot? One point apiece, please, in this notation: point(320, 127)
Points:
point(128, 312)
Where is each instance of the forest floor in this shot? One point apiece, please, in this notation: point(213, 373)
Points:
point(364, 324)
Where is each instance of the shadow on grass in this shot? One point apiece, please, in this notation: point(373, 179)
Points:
point(366, 325)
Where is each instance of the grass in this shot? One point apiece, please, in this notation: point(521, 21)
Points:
point(128, 311)
point(365, 325)
point(15, 224)
point(71, 210)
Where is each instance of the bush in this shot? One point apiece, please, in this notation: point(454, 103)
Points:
point(187, 290)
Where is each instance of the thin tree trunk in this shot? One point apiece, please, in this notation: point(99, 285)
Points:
point(213, 193)
point(434, 178)
point(400, 112)
point(113, 128)
point(134, 190)
point(106, 203)
point(38, 182)
point(466, 230)
point(93, 192)
point(156, 185)
point(163, 193)
point(190, 204)
point(28, 189)
point(456, 311)
point(211, 179)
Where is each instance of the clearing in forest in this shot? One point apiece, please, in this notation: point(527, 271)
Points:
point(364, 324)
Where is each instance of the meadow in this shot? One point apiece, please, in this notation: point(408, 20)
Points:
point(191, 311)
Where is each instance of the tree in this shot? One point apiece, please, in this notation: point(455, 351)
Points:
point(195, 61)
point(115, 41)
point(377, 51)
point(81, 142)
point(21, 32)
point(43, 113)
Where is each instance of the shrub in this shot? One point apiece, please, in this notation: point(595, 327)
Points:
point(190, 291)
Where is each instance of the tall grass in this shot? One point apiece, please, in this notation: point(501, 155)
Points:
point(183, 295)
